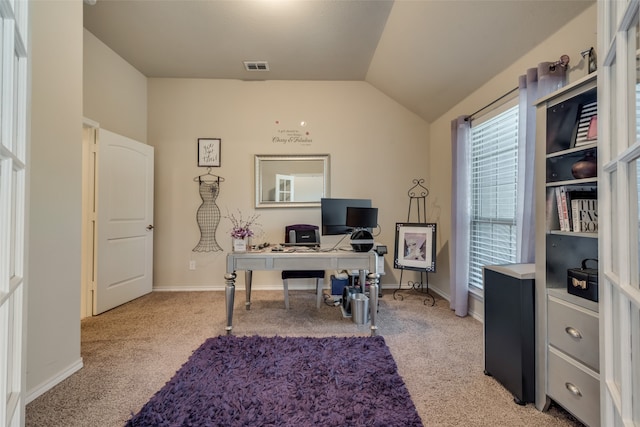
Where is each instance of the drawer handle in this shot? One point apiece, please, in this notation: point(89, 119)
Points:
point(573, 389)
point(573, 332)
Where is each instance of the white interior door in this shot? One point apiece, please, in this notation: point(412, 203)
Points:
point(284, 188)
point(124, 220)
point(619, 219)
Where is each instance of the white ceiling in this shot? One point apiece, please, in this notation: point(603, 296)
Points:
point(426, 54)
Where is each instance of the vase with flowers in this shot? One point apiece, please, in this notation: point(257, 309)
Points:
point(241, 230)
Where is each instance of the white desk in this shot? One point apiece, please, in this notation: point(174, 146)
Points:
point(311, 260)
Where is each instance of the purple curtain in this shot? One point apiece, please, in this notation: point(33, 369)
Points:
point(538, 82)
point(460, 221)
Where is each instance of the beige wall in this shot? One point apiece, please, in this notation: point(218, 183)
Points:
point(114, 93)
point(346, 120)
point(53, 271)
point(376, 146)
point(579, 34)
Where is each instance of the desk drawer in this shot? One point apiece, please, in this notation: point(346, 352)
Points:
point(574, 386)
point(574, 330)
point(254, 264)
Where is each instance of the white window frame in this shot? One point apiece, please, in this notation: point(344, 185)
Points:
point(13, 166)
point(618, 157)
point(485, 249)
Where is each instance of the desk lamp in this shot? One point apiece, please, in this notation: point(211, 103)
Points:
point(362, 219)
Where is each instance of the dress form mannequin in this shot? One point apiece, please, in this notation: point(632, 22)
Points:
point(208, 215)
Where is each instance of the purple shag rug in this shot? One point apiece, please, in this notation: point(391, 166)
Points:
point(284, 381)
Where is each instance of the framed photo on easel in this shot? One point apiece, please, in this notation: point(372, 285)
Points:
point(209, 152)
point(415, 247)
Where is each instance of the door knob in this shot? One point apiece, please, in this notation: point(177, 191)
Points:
point(149, 227)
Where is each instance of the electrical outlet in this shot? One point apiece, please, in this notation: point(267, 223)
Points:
point(192, 264)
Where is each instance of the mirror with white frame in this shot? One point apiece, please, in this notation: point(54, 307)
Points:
point(291, 180)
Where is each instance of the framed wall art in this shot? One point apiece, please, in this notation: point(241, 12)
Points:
point(209, 152)
point(415, 247)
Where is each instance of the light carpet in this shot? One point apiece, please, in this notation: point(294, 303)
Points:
point(130, 352)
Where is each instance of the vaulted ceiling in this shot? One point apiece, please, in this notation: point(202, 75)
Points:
point(425, 54)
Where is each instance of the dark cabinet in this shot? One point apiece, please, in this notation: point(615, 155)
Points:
point(509, 328)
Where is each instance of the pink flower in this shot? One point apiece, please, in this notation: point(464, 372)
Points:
point(241, 227)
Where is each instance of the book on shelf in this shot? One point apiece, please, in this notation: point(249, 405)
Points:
point(577, 208)
point(563, 212)
point(587, 126)
point(550, 209)
point(592, 133)
point(585, 215)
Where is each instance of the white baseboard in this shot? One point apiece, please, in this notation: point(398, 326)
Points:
point(54, 381)
point(190, 288)
point(240, 287)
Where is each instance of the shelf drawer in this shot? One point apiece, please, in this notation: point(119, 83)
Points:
point(574, 330)
point(575, 387)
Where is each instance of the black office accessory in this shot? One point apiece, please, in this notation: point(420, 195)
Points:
point(362, 220)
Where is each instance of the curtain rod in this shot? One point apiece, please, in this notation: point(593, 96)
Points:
point(472, 115)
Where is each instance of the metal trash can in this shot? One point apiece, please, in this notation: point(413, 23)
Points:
point(360, 309)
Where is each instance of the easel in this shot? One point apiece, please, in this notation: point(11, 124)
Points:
point(418, 194)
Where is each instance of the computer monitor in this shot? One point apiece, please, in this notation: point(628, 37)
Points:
point(334, 214)
point(362, 217)
point(362, 220)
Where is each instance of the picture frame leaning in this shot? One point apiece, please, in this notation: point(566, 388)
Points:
point(209, 152)
point(415, 247)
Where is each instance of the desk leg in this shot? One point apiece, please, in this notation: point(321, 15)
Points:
point(373, 301)
point(230, 291)
point(362, 278)
point(248, 277)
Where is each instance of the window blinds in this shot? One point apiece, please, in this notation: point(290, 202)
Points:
point(493, 179)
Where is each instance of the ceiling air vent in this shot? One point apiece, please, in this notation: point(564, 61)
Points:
point(256, 65)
